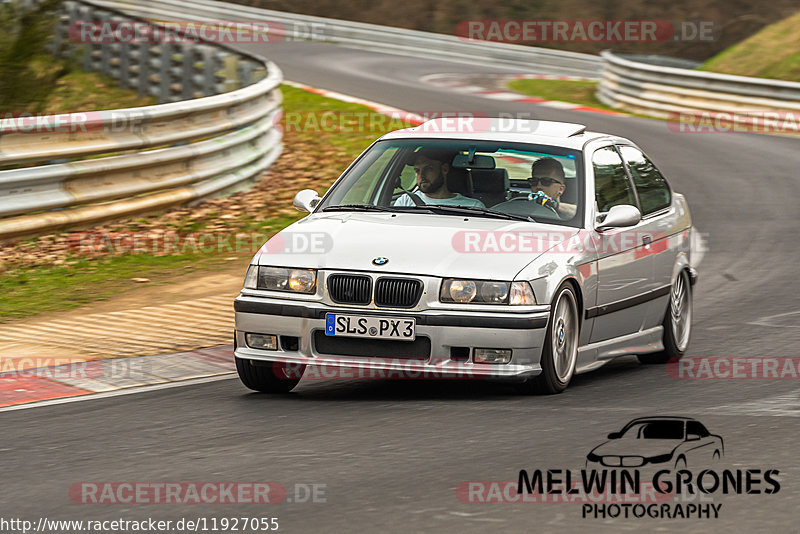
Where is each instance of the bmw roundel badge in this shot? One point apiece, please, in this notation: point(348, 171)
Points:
point(380, 261)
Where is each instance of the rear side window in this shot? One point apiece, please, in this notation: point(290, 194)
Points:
point(611, 184)
point(653, 190)
point(695, 427)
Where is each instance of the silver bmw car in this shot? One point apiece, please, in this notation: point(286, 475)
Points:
point(516, 250)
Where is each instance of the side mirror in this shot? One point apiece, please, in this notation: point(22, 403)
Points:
point(619, 217)
point(692, 437)
point(306, 200)
point(614, 435)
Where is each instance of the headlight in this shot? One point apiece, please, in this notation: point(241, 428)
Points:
point(461, 291)
point(302, 280)
point(281, 279)
point(486, 292)
point(660, 459)
point(494, 292)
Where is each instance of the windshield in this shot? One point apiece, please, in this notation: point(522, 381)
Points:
point(656, 430)
point(464, 177)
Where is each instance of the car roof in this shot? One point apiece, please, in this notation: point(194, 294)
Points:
point(661, 418)
point(562, 134)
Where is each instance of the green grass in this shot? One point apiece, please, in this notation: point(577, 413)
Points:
point(78, 90)
point(48, 289)
point(82, 279)
point(574, 91)
point(30, 290)
point(346, 126)
point(773, 52)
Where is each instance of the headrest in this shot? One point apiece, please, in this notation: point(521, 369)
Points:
point(489, 180)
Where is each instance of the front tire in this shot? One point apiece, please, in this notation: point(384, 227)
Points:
point(270, 378)
point(560, 351)
point(677, 323)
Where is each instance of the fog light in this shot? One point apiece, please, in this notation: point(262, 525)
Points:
point(492, 356)
point(261, 341)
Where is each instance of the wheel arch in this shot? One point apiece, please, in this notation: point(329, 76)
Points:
point(572, 281)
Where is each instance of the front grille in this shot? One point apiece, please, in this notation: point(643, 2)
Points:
point(350, 288)
point(397, 292)
point(419, 349)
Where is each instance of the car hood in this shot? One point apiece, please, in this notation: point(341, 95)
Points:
point(423, 244)
point(636, 447)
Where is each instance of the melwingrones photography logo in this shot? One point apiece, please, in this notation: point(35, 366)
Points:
point(656, 467)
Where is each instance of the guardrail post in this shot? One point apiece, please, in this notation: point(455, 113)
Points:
point(105, 48)
point(144, 69)
point(187, 71)
point(176, 67)
point(165, 59)
point(124, 59)
point(209, 70)
point(85, 14)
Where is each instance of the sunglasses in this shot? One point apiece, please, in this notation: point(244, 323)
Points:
point(544, 181)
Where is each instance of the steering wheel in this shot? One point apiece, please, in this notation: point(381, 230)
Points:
point(519, 200)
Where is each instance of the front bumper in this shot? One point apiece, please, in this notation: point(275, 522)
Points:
point(523, 333)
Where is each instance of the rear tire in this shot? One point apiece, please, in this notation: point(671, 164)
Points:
point(677, 323)
point(560, 351)
point(270, 378)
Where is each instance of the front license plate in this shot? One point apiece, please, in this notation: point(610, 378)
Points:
point(397, 328)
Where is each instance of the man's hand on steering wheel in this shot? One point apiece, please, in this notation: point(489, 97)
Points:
point(541, 198)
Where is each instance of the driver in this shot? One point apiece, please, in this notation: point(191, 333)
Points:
point(547, 185)
point(431, 168)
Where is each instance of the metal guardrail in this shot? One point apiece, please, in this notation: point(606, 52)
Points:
point(377, 38)
point(665, 92)
point(169, 70)
point(163, 155)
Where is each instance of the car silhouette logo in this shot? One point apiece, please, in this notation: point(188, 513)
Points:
point(662, 442)
point(380, 261)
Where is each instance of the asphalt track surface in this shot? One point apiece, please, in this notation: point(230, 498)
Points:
point(391, 453)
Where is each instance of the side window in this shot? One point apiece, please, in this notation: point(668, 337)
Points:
point(694, 427)
point(650, 184)
point(611, 184)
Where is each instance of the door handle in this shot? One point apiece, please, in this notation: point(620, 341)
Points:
point(646, 240)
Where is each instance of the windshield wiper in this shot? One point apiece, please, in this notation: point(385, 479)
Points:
point(433, 208)
point(359, 207)
point(474, 210)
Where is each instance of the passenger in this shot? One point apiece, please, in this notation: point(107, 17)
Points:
point(431, 168)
